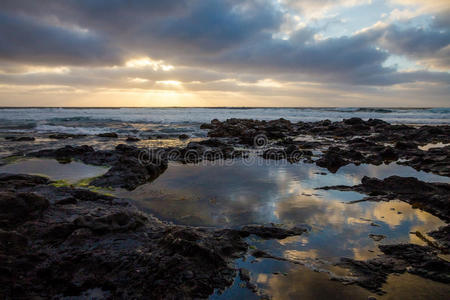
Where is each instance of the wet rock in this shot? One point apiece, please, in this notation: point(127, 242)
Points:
point(183, 136)
point(108, 135)
point(19, 138)
point(212, 143)
point(435, 160)
point(377, 237)
point(64, 152)
point(104, 243)
point(432, 197)
point(270, 232)
point(442, 236)
point(130, 166)
point(63, 136)
point(244, 274)
point(332, 160)
point(421, 260)
point(405, 145)
point(16, 208)
point(133, 139)
point(389, 154)
point(128, 173)
point(353, 121)
point(12, 242)
point(10, 182)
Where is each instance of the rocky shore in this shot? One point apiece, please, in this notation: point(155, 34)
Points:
point(58, 241)
point(62, 241)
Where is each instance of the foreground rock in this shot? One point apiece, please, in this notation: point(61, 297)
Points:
point(62, 242)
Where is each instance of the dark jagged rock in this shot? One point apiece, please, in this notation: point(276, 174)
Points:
point(130, 166)
point(431, 197)
point(66, 151)
point(16, 208)
point(272, 232)
point(108, 135)
point(442, 236)
point(415, 259)
point(333, 159)
point(98, 242)
point(213, 143)
point(20, 138)
point(435, 160)
point(63, 136)
point(183, 137)
point(132, 139)
point(10, 182)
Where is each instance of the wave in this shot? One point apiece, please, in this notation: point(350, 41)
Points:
point(97, 120)
point(72, 130)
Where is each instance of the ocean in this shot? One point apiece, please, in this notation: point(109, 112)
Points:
point(174, 121)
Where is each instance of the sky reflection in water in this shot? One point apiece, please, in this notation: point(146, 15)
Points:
point(227, 196)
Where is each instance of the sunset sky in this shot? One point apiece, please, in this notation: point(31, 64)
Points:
point(224, 53)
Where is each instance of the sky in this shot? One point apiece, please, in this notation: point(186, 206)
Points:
point(209, 53)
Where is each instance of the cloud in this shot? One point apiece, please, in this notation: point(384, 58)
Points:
point(431, 45)
point(24, 39)
point(214, 45)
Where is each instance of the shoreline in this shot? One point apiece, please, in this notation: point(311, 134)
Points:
point(133, 240)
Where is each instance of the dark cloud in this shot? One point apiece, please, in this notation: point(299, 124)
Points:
point(432, 42)
point(228, 37)
point(25, 39)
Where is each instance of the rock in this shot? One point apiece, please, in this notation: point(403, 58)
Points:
point(389, 154)
point(108, 135)
point(432, 197)
point(130, 166)
point(353, 121)
point(405, 145)
point(20, 138)
point(244, 274)
point(183, 136)
point(10, 182)
point(64, 152)
point(212, 143)
point(132, 139)
point(12, 242)
point(377, 237)
point(332, 160)
point(271, 232)
point(16, 208)
point(63, 136)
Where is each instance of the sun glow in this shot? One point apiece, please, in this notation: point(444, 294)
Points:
point(144, 62)
point(175, 83)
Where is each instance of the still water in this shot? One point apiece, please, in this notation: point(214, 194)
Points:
point(230, 195)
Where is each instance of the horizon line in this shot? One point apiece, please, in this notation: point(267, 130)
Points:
point(223, 107)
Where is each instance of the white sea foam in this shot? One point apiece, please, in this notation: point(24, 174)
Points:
point(93, 121)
